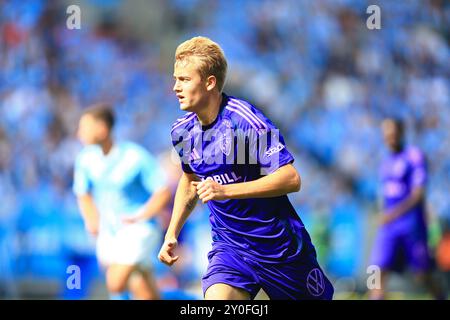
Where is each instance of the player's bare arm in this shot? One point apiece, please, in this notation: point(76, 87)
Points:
point(281, 182)
point(89, 212)
point(416, 197)
point(185, 201)
point(153, 207)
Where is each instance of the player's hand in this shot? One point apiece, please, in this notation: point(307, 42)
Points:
point(209, 190)
point(166, 254)
point(386, 218)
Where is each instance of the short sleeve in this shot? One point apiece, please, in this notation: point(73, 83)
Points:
point(417, 161)
point(273, 153)
point(265, 143)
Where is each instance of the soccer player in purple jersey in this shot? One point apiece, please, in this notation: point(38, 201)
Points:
point(402, 237)
point(258, 240)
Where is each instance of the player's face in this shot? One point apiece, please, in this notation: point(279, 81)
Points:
point(391, 134)
point(189, 86)
point(91, 130)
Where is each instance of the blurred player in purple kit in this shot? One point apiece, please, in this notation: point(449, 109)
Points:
point(259, 242)
point(402, 237)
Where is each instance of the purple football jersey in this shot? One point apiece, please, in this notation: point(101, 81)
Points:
point(400, 173)
point(241, 145)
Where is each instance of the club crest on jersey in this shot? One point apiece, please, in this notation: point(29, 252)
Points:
point(226, 135)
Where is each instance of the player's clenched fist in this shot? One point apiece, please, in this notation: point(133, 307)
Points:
point(166, 254)
point(209, 190)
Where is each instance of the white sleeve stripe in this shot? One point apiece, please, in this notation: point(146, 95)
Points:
point(183, 121)
point(247, 110)
point(183, 118)
point(244, 116)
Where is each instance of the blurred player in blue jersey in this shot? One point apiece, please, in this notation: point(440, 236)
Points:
point(235, 160)
point(402, 237)
point(120, 189)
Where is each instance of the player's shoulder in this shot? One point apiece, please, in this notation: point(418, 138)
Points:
point(414, 155)
point(132, 149)
point(184, 123)
point(245, 115)
point(132, 146)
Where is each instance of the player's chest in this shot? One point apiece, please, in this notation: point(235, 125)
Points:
point(212, 149)
point(396, 169)
point(113, 173)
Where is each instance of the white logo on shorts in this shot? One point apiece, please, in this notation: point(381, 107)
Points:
point(315, 282)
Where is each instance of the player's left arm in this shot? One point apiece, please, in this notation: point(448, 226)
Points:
point(154, 206)
point(282, 181)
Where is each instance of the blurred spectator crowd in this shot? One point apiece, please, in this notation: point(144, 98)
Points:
point(313, 67)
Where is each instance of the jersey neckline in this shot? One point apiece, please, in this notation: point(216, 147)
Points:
point(224, 102)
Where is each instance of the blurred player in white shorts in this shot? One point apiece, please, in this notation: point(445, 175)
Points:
point(120, 189)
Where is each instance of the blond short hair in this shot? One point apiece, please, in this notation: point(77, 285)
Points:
point(211, 59)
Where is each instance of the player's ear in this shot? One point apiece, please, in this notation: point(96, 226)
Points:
point(211, 82)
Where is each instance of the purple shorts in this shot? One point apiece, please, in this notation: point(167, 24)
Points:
point(301, 279)
point(395, 250)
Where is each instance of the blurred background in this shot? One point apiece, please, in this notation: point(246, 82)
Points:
point(313, 67)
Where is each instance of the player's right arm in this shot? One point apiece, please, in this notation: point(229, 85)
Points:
point(82, 187)
point(89, 213)
point(185, 201)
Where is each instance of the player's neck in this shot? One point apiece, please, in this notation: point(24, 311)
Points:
point(397, 149)
point(107, 146)
point(207, 115)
